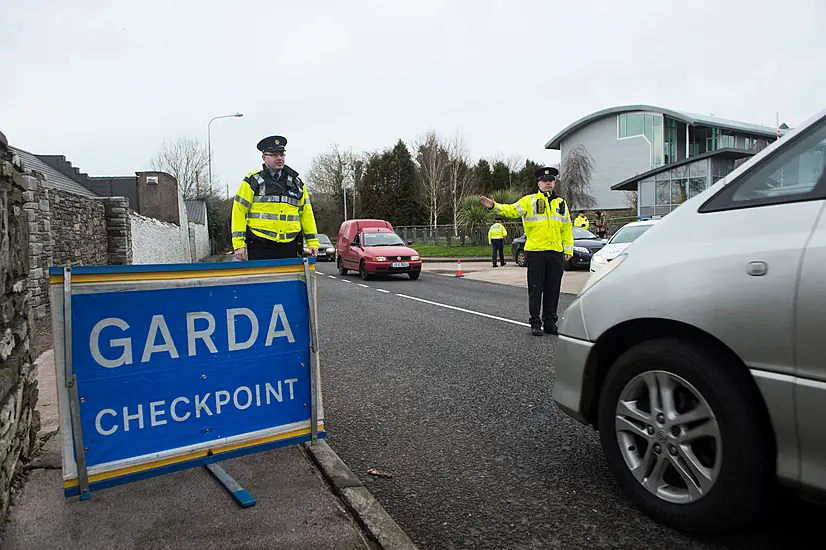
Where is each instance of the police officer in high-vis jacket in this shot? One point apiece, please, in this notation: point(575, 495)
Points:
point(496, 238)
point(582, 221)
point(550, 242)
point(272, 209)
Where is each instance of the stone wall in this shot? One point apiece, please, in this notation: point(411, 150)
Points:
point(118, 231)
point(19, 422)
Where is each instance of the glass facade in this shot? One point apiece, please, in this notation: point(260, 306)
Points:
point(649, 126)
point(661, 193)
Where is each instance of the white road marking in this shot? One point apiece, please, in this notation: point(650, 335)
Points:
point(480, 314)
point(345, 281)
point(382, 290)
point(365, 286)
point(319, 272)
point(330, 276)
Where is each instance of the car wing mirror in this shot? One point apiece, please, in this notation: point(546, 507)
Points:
point(409, 243)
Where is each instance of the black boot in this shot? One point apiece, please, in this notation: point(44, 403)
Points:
point(536, 331)
point(551, 328)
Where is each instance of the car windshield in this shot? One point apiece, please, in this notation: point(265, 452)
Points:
point(580, 233)
point(629, 234)
point(324, 239)
point(382, 239)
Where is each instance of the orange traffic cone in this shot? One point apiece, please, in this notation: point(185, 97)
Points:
point(459, 268)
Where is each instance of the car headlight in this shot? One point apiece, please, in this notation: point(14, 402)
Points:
point(598, 276)
point(581, 249)
point(414, 258)
point(331, 249)
point(379, 259)
point(599, 259)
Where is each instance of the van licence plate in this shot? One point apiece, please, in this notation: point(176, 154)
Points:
point(400, 264)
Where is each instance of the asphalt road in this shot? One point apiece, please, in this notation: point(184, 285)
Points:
point(457, 408)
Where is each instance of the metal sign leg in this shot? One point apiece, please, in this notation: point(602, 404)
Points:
point(71, 384)
point(240, 494)
point(313, 355)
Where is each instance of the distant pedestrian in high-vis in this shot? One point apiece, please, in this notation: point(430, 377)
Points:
point(582, 221)
point(549, 243)
point(272, 209)
point(496, 238)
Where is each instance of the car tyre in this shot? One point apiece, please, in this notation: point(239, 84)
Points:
point(742, 474)
point(363, 271)
point(341, 269)
point(414, 274)
point(521, 259)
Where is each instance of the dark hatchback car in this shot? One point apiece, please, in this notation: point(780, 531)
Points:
point(585, 244)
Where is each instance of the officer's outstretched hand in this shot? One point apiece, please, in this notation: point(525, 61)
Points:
point(314, 252)
point(241, 254)
point(487, 201)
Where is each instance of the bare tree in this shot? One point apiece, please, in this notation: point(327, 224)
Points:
point(433, 163)
point(332, 174)
point(460, 177)
point(187, 160)
point(575, 179)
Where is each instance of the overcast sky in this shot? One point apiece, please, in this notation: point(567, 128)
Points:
point(103, 82)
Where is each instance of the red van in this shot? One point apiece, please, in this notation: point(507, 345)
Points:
point(371, 247)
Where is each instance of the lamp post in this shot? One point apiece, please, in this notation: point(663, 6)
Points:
point(209, 144)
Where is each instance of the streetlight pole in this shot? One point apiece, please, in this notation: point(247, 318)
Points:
point(209, 144)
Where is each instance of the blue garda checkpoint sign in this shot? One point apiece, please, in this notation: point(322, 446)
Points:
point(166, 367)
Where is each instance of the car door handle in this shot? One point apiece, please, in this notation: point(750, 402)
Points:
point(757, 269)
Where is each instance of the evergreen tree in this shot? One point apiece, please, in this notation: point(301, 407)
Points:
point(483, 176)
point(387, 189)
point(501, 177)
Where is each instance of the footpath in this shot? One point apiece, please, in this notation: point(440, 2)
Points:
point(306, 498)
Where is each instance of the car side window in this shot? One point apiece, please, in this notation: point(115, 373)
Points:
point(357, 240)
point(793, 175)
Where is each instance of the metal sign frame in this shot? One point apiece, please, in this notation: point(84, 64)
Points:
point(81, 480)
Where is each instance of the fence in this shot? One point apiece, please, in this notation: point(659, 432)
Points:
point(478, 236)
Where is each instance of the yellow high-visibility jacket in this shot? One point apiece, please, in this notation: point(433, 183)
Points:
point(582, 221)
point(497, 231)
point(274, 209)
point(546, 220)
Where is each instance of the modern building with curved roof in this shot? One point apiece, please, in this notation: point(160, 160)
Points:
point(635, 140)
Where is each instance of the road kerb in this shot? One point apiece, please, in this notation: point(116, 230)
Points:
point(371, 516)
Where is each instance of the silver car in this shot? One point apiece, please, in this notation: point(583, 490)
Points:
point(700, 353)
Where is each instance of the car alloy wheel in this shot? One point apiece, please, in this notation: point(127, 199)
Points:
point(668, 436)
point(687, 435)
point(521, 261)
point(363, 271)
point(341, 269)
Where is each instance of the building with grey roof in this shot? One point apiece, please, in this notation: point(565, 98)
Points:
point(54, 177)
point(634, 140)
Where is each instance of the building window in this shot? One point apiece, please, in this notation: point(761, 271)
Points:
point(748, 143)
point(727, 140)
point(648, 126)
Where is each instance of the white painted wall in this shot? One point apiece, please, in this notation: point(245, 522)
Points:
point(157, 242)
point(200, 234)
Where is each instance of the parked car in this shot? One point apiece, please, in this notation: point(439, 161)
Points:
point(372, 247)
point(698, 354)
point(326, 250)
point(626, 235)
point(585, 244)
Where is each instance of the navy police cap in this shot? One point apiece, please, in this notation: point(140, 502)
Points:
point(548, 173)
point(272, 144)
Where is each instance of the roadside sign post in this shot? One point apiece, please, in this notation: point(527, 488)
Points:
point(161, 368)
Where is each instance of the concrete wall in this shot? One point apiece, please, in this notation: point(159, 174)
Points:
point(160, 200)
point(614, 160)
point(19, 423)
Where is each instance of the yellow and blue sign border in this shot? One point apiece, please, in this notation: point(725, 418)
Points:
point(89, 279)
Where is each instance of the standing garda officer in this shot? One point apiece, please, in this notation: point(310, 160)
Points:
point(550, 242)
point(496, 238)
point(582, 221)
point(272, 209)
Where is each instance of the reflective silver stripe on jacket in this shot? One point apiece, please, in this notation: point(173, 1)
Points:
point(520, 210)
point(568, 248)
point(557, 218)
point(276, 198)
point(244, 202)
point(534, 218)
point(238, 234)
point(280, 236)
point(278, 217)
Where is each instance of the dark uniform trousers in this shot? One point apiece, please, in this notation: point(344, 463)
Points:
point(498, 247)
point(545, 270)
point(259, 248)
